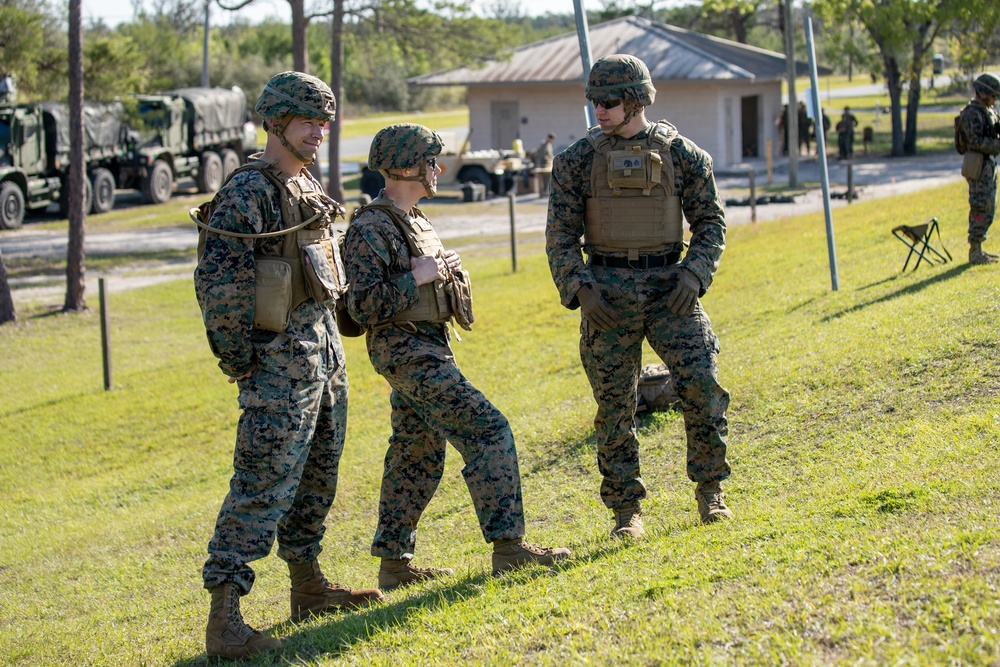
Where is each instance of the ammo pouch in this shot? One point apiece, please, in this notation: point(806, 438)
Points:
point(272, 293)
point(459, 290)
point(972, 165)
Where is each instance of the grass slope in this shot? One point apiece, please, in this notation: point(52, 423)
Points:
point(864, 443)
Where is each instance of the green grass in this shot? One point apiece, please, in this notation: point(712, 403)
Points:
point(864, 439)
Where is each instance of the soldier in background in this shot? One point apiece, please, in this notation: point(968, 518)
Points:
point(622, 189)
point(402, 291)
point(544, 154)
point(845, 134)
point(979, 127)
point(288, 362)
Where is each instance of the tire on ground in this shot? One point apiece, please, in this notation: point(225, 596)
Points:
point(209, 178)
point(11, 206)
point(158, 184)
point(230, 161)
point(102, 185)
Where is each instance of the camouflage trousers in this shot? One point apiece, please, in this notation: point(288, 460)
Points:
point(613, 359)
point(432, 404)
point(982, 201)
point(288, 445)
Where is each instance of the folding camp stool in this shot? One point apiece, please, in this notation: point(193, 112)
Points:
point(918, 239)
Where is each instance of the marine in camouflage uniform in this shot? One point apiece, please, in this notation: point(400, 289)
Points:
point(292, 382)
point(396, 268)
point(631, 294)
point(978, 121)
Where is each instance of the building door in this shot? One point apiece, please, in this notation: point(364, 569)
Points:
point(749, 122)
point(505, 123)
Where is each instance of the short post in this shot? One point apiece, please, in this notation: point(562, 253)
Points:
point(850, 182)
point(513, 232)
point(105, 337)
point(770, 163)
point(753, 197)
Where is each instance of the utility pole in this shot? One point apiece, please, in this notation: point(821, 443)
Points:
point(792, 122)
point(204, 47)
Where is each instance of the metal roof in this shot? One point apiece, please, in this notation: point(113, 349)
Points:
point(671, 53)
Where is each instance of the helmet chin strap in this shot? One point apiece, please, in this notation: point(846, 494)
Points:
point(278, 129)
point(431, 190)
point(632, 109)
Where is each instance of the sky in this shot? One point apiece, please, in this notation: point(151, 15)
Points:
point(113, 12)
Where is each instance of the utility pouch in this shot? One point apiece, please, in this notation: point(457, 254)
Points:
point(272, 294)
point(459, 289)
point(634, 168)
point(319, 264)
point(972, 165)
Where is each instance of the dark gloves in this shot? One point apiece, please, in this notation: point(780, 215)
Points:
point(685, 296)
point(595, 308)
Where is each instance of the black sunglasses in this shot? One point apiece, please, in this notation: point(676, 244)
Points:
point(608, 104)
point(432, 162)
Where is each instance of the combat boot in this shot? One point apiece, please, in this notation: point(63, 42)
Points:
point(977, 256)
point(711, 502)
point(628, 521)
point(396, 572)
point(512, 554)
point(313, 594)
point(227, 636)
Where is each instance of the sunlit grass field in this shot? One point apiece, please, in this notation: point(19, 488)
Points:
point(864, 440)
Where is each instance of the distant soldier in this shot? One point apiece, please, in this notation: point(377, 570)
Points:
point(269, 321)
point(980, 131)
point(845, 134)
point(404, 289)
point(623, 189)
point(805, 127)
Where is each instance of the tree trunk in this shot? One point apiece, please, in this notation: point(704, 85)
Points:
point(335, 186)
point(300, 55)
point(892, 81)
point(912, 107)
point(739, 23)
point(7, 312)
point(75, 301)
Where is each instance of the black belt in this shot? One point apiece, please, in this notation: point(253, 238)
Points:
point(643, 263)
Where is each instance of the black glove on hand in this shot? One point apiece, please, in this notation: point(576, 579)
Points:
point(685, 296)
point(595, 308)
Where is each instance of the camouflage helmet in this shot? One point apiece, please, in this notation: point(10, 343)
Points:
point(987, 84)
point(402, 146)
point(296, 94)
point(620, 76)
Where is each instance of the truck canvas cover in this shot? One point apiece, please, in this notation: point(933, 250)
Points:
point(103, 128)
point(215, 109)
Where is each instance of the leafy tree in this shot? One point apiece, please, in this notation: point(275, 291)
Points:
point(903, 32)
point(31, 46)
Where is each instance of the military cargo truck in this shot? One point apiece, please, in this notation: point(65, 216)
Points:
point(202, 133)
point(34, 159)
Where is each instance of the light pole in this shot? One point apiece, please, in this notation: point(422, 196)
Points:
point(204, 47)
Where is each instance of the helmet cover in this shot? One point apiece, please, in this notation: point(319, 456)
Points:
point(620, 76)
point(403, 146)
point(296, 94)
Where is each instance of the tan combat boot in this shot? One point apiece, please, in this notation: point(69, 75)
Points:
point(313, 594)
point(396, 572)
point(711, 502)
point(628, 521)
point(227, 636)
point(977, 256)
point(512, 554)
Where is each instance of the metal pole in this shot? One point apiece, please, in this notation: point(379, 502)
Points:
point(753, 197)
point(792, 122)
point(513, 232)
point(105, 338)
point(585, 56)
point(824, 177)
point(850, 182)
point(204, 49)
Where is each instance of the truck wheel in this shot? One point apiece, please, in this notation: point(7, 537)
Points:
point(102, 184)
point(158, 184)
point(230, 161)
point(11, 206)
point(88, 196)
point(209, 172)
